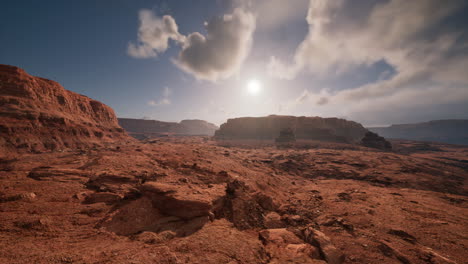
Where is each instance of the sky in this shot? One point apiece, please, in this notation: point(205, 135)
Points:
point(377, 62)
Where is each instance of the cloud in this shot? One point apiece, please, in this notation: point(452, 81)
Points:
point(216, 55)
point(165, 100)
point(154, 34)
point(274, 13)
point(404, 34)
point(322, 101)
point(220, 53)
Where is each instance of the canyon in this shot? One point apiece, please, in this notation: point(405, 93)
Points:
point(76, 188)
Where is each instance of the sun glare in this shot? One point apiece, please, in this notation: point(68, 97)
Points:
point(254, 87)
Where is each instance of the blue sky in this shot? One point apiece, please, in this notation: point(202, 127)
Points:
point(362, 61)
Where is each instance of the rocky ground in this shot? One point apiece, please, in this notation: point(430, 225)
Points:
point(193, 200)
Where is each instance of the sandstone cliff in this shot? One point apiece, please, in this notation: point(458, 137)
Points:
point(312, 128)
point(141, 128)
point(197, 127)
point(38, 114)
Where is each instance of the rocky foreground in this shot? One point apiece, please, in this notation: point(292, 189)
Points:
point(192, 200)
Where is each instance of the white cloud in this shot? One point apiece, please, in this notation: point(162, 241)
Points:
point(220, 53)
point(164, 100)
point(274, 13)
point(217, 55)
point(154, 35)
point(402, 33)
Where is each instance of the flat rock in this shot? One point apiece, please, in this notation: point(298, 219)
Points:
point(331, 254)
point(103, 197)
point(285, 247)
point(273, 220)
point(181, 201)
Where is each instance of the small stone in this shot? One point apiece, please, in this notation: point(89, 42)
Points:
point(28, 196)
point(296, 218)
point(183, 180)
point(273, 220)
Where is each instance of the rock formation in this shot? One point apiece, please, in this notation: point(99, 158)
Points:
point(142, 129)
point(286, 136)
point(197, 127)
point(372, 140)
point(312, 128)
point(38, 114)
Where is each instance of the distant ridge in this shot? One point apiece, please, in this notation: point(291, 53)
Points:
point(143, 128)
point(452, 131)
point(313, 128)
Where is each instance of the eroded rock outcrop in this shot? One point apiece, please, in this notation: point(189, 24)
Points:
point(312, 128)
point(372, 140)
point(38, 114)
point(166, 207)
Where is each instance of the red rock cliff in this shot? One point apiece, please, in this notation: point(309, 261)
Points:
point(314, 128)
point(38, 114)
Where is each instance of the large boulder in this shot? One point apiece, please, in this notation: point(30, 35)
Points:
point(38, 114)
point(372, 140)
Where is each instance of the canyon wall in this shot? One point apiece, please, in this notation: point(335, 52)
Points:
point(311, 128)
point(37, 114)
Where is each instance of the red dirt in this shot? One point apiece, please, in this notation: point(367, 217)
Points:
point(191, 200)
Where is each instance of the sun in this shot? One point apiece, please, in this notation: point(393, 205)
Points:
point(254, 86)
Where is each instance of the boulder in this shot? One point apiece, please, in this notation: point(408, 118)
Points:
point(273, 220)
point(285, 247)
point(329, 252)
point(372, 140)
point(180, 201)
